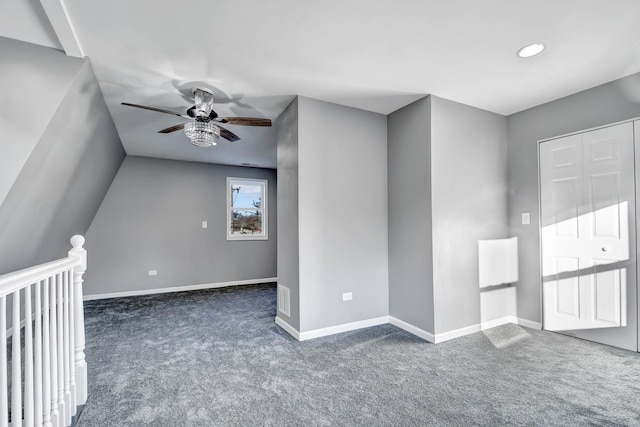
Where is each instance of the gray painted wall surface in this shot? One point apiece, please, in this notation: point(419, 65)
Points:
point(33, 82)
point(342, 203)
point(60, 187)
point(410, 240)
point(609, 103)
point(288, 255)
point(151, 219)
point(469, 199)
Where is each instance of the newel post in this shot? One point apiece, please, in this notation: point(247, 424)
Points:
point(78, 251)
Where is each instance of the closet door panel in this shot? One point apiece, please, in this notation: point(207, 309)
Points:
point(587, 202)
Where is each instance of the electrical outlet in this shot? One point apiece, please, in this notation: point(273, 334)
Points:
point(204, 224)
point(526, 218)
point(347, 296)
point(153, 272)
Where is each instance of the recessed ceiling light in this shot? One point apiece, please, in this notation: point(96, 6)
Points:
point(530, 50)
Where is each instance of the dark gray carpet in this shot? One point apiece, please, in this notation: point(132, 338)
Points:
point(216, 358)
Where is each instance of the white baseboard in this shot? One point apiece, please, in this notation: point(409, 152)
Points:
point(428, 336)
point(331, 330)
point(179, 289)
point(457, 333)
point(446, 336)
point(288, 328)
point(345, 327)
point(528, 323)
point(498, 322)
point(488, 324)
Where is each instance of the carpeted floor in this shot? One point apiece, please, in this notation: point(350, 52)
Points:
point(216, 358)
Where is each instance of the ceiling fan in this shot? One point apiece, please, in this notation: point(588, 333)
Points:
point(204, 128)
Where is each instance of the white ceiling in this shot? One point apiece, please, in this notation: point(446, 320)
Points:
point(26, 21)
point(369, 54)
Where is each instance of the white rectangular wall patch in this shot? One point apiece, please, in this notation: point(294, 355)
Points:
point(498, 261)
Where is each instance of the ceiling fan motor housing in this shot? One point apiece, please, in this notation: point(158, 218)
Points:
point(204, 102)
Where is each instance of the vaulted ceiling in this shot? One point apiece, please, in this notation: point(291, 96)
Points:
point(369, 54)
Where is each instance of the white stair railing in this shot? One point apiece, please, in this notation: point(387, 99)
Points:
point(43, 304)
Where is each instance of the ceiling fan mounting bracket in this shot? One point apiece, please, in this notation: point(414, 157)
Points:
point(203, 89)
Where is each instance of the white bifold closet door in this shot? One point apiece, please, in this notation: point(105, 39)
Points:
point(586, 192)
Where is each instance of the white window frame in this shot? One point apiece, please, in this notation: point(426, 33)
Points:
point(231, 181)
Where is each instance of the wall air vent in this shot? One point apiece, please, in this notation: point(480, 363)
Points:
point(284, 300)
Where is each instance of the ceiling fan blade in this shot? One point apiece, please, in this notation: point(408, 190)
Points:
point(172, 128)
point(228, 135)
point(244, 121)
point(159, 110)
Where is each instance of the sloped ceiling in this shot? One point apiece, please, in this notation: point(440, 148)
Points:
point(369, 54)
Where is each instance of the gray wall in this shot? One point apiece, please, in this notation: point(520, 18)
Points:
point(469, 197)
point(33, 82)
point(410, 240)
point(342, 202)
point(612, 102)
point(151, 219)
point(61, 185)
point(288, 255)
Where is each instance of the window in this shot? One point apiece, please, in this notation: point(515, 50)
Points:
point(246, 209)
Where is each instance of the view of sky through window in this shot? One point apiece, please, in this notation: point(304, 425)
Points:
point(244, 196)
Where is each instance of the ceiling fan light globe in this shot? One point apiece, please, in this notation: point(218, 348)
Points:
point(202, 134)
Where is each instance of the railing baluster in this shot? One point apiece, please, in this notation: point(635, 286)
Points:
point(37, 407)
point(46, 361)
point(16, 367)
point(4, 394)
point(60, 326)
point(67, 375)
point(53, 353)
point(28, 360)
point(72, 365)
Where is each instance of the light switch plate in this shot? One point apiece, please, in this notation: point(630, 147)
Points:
point(204, 224)
point(347, 296)
point(153, 272)
point(526, 218)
